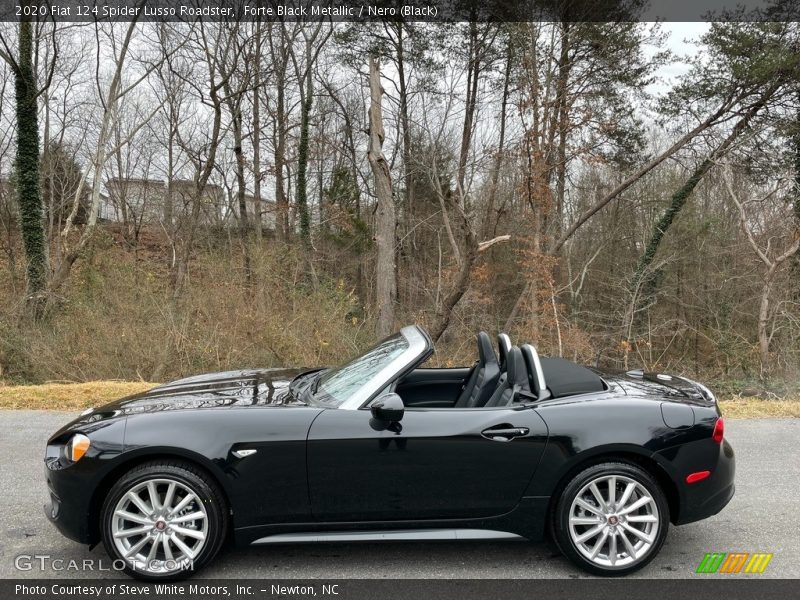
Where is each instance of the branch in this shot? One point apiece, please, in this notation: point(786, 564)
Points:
point(743, 220)
point(489, 243)
point(590, 212)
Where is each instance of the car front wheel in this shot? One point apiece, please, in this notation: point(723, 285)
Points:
point(611, 519)
point(163, 520)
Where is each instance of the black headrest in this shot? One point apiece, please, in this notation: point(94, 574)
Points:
point(527, 355)
point(516, 372)
point(503, 346)
point(485, 350)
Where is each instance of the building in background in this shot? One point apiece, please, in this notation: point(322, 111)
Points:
point(153, 201)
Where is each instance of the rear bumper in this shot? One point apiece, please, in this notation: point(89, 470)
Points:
point(708, 497)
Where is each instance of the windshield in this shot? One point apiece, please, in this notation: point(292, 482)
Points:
point(341, 383)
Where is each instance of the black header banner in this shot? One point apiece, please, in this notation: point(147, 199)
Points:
point(400, 10)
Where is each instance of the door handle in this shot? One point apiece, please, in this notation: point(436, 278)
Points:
point(504, 433)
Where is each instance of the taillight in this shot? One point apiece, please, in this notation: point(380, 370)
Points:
point(719, 431)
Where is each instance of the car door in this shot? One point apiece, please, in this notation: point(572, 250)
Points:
point(436, 463)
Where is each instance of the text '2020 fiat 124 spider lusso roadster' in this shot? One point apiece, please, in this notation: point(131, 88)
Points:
point(385, 449)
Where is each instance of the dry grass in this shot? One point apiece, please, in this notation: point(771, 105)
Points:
point(67, 396)
point(77, 396)
point(759, 408)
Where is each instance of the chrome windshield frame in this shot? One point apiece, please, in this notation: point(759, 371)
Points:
point(419, 346)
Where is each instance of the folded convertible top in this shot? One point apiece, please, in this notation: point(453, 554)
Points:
point(565, 378)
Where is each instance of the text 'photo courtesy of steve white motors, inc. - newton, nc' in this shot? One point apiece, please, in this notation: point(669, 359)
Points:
point(158, 590)
point(246, 11)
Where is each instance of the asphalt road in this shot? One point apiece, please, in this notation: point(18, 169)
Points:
point(762, 517)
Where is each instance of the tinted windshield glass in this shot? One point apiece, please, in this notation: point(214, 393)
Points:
point(337, 385)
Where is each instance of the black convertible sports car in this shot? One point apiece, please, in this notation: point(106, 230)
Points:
point(385, 449)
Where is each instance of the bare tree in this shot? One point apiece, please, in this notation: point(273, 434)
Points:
point(110, 101)
point(385, 223)
point(771, 258)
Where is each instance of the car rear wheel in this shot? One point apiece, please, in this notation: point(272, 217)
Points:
point(163, 520)
point(611, 519)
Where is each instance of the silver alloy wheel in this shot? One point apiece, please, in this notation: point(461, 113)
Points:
point(614, 521)
point(159, 525)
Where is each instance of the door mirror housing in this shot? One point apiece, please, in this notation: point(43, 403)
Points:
point(388, 407)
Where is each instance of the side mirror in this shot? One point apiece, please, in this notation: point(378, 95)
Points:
point(388, 408)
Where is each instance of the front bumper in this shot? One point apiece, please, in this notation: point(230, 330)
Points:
point(67, 510)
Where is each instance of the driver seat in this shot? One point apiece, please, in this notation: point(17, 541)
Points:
point(483, 378)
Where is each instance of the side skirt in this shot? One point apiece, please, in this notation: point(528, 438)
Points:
point(387, 536)
point(525, 521)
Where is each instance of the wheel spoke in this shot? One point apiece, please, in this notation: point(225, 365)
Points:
point(612, 491)
point(596, 549)
point(167, 504)
point(598, 496)
point(126, 533)
point(612, 550)
point(140, 504)
point(129, 516)
point(133, 550)
point(626, 494)
point(183, 503)
point(584, 520)
point(642, 519)
point(628, 546)
point(589, 534)
point(588, 507)
point(152, 492)
point(190, 517)
point(640, 534)
point(636, 505)
point(152, 554)
point(167, 549)
point(188, 552)
point(193, 533)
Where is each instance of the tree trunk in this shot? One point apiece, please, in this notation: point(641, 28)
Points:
point(763, 320)
point(470, 242)
point(27, 165)
point(241, 191)
point(385, 282)
point(258, 217)
point(564, 67)
point(281, 199)
point(307, 101)
point(408, 238)
point(490, 222)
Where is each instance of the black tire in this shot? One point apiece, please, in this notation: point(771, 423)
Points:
point(206, 491)
point(560, 525)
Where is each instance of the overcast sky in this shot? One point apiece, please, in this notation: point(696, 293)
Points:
point(680, 40)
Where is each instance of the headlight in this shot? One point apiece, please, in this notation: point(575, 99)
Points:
point(76, 447)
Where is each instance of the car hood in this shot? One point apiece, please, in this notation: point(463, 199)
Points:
point(248, 387)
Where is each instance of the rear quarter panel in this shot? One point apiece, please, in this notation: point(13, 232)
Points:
point(593, 425)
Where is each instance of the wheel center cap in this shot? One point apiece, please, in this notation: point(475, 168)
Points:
point(613, 520)
point(161, 525)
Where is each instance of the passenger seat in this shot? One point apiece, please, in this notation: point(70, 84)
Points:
point(503, 348)
point(514, 380)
